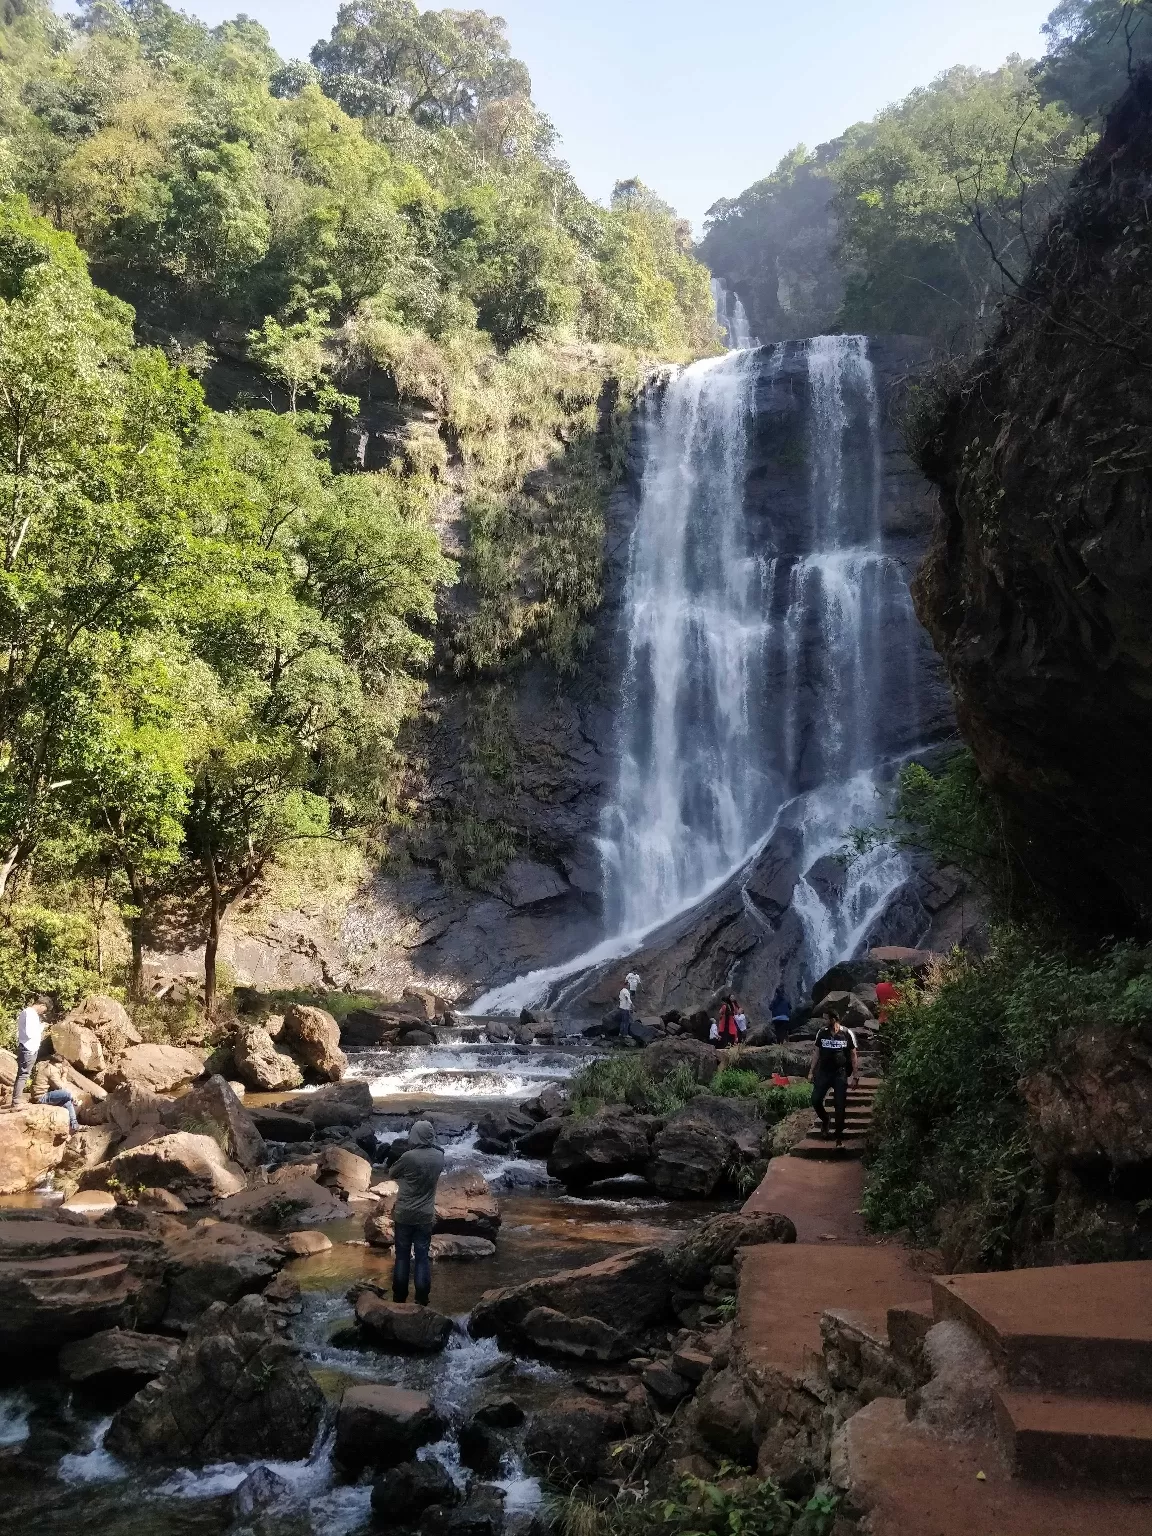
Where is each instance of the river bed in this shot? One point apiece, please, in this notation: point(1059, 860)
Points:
point(54, 1472)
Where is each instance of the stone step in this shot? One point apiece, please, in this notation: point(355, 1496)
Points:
point(1084, 1329)
point(818, 1149)
point(1055, 1438)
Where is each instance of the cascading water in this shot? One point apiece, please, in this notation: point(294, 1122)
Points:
point(732, 318)
point(762, 655)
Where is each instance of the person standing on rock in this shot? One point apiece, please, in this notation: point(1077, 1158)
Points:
point(417, 1172)
point(833, 1065)
point(632, 982)
point(624, 1009)
point(780, 1012)
point(29, 1034)
point(725, 1032)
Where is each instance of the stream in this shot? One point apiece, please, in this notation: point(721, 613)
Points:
point(54, 1472)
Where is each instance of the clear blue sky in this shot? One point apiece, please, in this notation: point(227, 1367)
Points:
point(701, 99)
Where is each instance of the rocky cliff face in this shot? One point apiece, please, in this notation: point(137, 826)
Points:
point(1038, 586)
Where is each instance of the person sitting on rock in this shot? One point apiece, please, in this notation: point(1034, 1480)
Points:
point(833, 1064)
point(29, 1035)
point(417, 1172)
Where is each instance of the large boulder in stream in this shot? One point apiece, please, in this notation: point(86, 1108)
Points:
point(213, 1107)
point(259, 1064)
point(312, 1035)
point(603, 1146)
point(401, 1326)
point(347, 1103)
point(699, 1146)
point(217, 1262)
point(191, 1166)
point(664, 1057)
point(569, 1440)
point(284, 1204)
point(235, 1391)
point(33, 1140)
point(692, 1262)
point(382, 1426)
point(61, 1282)
point(158, 1068)
point(629, 1291)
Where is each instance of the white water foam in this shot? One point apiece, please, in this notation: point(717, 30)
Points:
point(15, 1408)
point(94, 1466)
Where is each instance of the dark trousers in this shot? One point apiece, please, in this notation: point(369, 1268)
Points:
point(25, 1061)
point(838, 1082)
point(411, 1240)
point(624, 1020)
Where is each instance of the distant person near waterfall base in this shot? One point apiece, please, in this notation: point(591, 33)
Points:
point(833, 1067)
point(417, 1172)
point(780, 1012)
point(624, 1010)
point(726, 1031)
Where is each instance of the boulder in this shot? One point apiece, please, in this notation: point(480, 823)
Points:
point(109, 1021)
point(213, 1107)
point(1092, 1108)
point(364, 1028)
point(277, 1125)
point(344, 1171)
point(667, 1386)
point(541, 1140)
point(546, 1105)
point(481, 1514)
point(159, 1068)
point(450, 1245)
point(346, 1103)
point(62, 1281)
point(312, 1035)
point(33, 1139)
point(80, 1047)
point(402, 1495)
point(129, 1106)
point(666, 1056)
point(726, 1418)
point(87, 1205)
point(212, 1263)
point(7, 1075)
point(603, 1146)
point(849, 1008)
point(381, 1426)
point(117, 1358)
point(260, 1489)
point(693, 1156)
point(499, 1413)
point(87, 1095)
point(305, 1245)
point(916, 960)
point(846, 975)
point(236, 1391)
point(91, 1145)
point(161, 1200)
point(574, 1338)
point(465, 1207)
point(772, 1060)
point(259, 1064)
point(401, 1326)
point(191, 1166)
point(297, 1202)
point(692, 1262)
point(629, 1291)
point(568, 1441)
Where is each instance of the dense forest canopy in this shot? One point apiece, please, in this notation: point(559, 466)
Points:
point(214, 623)
point(922, 219)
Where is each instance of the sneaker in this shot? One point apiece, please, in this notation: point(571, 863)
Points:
point(840, 1141)
point(421, 1301)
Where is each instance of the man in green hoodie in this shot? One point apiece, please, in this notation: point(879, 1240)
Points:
point(417, 1172)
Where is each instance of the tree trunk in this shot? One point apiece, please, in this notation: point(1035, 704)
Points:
point(212, 944)
point(136, 975)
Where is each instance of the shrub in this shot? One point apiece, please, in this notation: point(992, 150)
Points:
point(732, 1504)
point(950, 1127)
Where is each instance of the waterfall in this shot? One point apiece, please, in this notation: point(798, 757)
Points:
point(732, 318)
point(692, 792)
point(763, 653)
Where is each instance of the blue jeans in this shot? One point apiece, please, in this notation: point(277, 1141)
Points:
point(625, 1020)
point(25, 1061)
point(64, 1099)
point(407, 1240)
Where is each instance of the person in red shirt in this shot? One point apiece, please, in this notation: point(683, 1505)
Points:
point(886, 995)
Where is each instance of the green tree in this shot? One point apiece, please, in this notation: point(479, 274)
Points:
point(1094, 47)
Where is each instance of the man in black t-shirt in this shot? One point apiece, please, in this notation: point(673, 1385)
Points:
point(833, 1064)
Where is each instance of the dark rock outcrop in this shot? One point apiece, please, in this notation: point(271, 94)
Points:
point(235, 1391)
point(381, 1426)
point(117, 1357)
point(605, 1145)
point(1092, 1109)
point(629, 1291)
point(691, 1264)
point(700, 1146)
point(1037, 589)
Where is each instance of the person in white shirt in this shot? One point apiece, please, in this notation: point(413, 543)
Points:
point(624, 1010)
point(741, 1021)
point(632, 981)
point(29, 1034)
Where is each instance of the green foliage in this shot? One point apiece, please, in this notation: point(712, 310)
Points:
point(1093, 48)
point(941, 198)
point(42, 950)
point(625, 1079)
point(732, 1504)
point(951, 815)
point(950, 1120)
